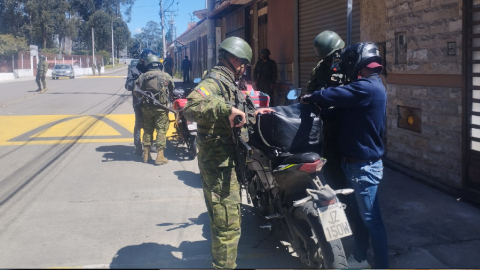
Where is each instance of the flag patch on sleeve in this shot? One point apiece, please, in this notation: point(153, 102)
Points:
point(203, 91)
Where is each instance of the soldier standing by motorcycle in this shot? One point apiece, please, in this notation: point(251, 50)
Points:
point(214, 104)
point(41, 72)
point(328, 45)
point(161, 85)
point(133, 75)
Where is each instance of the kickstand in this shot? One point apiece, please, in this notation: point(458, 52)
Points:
point(266, 236)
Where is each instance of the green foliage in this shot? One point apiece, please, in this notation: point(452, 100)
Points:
point(10, 45)
point(82, 52)
point(105, 55)
point(178, 75)
point(50, 50)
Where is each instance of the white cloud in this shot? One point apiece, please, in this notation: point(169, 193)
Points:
point(138, 31)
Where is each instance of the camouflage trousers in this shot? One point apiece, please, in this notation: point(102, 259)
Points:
point(41, 78)
point(223, 198)
point(154, 118)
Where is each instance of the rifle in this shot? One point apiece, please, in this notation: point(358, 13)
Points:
point(242, 150)
point(151, 97)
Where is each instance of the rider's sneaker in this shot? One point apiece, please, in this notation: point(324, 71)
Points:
point(353, 263)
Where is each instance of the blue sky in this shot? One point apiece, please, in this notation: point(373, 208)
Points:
point(147, 10)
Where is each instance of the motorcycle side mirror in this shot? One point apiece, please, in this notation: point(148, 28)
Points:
point(294, 94)
point(197, 80)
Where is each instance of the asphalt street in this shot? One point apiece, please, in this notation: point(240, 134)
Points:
point(73, 194)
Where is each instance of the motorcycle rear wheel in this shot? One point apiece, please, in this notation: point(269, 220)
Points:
point(327, 255)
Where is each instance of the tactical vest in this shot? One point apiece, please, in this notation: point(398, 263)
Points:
point(233, 96)
point(155, 81)
point(42, 67)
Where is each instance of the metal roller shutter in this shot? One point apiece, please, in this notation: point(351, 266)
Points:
point(315, 16)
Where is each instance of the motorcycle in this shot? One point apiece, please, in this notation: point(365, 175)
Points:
point(287, 192)
point(186, 132)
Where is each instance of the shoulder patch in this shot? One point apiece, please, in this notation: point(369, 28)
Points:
point(203, 91)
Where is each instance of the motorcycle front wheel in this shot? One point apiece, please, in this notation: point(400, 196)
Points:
point(323, 254)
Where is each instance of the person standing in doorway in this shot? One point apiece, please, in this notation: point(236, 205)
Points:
point(265, 75)
point(186, 68)
point(168, 65)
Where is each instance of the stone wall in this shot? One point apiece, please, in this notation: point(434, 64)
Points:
point(428, 25)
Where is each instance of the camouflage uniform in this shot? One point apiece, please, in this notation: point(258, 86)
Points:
point(264, 75)
point(161, 84)
point(321, 78)
point(99, 68)
point(93, 69)
point(41, 72)
point(210, 106)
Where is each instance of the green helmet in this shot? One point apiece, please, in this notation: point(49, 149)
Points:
point(237, 47)
point(42, 57)
point(151, 58)
point(326, 43)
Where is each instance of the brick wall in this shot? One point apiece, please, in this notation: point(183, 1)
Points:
point(428, 25)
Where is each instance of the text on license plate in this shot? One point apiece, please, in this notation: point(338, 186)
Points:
point(334, 222)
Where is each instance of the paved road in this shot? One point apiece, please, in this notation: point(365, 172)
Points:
point(72, 194)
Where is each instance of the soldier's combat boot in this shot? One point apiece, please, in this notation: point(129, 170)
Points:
point(160, 158)
point(43, 90)
point(146, 154)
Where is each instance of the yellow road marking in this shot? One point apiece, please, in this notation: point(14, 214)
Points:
point(60, 129)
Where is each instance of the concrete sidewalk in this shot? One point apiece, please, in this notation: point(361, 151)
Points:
point(426, 227)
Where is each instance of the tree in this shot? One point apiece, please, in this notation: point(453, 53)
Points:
point(10, 45)
point(121, 35)
point(152, 36)
point(100, 21)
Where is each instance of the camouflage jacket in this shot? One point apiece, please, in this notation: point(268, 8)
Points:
point(157, 82)
point(42, 68)
point(319, 78)
point(210, 105)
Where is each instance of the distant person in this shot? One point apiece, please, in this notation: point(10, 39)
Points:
point(186, 68)
point(265, 75)
point(168, 65)
point(41, 72)
point(99, 68)
point(93, 68)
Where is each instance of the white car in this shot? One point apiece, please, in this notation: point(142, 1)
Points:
point(63, 71)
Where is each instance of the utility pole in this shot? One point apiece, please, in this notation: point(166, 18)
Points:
point(113, 55)
point(162, 15)
point(93, 47)
point(210, 36)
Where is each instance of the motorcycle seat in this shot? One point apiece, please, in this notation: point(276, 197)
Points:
point(308, 157)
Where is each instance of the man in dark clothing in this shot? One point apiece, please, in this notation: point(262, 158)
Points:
point(133, 74)
point(186, 67)
point(361, 144)
point(265, 75)
point(168, 65)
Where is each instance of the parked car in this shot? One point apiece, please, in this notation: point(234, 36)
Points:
point(133, 63)
point(63, 71)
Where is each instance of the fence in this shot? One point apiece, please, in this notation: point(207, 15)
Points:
point(24, 61)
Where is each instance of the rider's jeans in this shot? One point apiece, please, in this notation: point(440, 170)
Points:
point(364, 178)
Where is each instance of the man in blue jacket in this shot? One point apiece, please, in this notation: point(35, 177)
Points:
point(361, 144)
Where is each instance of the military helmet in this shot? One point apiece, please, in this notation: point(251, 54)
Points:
point(237, 47)
point(145, 53)
point(326, 43)
point(151, 60)
point(357, 56)
point(265, 51)
point(42, 57)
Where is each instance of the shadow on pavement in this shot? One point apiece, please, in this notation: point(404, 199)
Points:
point(189, 178)
point(118, 153)
point(176, 153)
point(272, 253)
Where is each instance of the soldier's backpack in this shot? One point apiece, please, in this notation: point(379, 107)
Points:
point(155, 81)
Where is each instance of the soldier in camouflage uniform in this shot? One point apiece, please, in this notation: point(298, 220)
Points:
point(161, 85)
point(93, 68)
point(265, 75)
point(214, 104)
point(41, 72)
point(327, 46)
point(99, 68)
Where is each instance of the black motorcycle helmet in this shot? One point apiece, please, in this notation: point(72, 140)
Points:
point(265, 51)
point(145, 53)
point(355, 57)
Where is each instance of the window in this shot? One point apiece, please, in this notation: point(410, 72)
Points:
point(400, 48)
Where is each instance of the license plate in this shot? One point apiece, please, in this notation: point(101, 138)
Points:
point(334, 222)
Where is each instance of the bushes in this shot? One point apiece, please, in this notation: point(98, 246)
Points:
point(105, 55)
point(10, 45)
